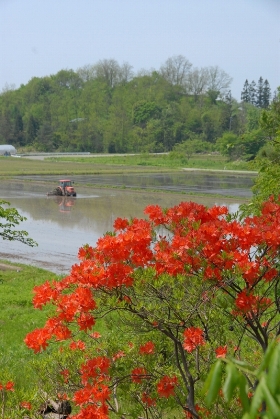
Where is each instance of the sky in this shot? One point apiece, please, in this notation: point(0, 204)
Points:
point(41, 37)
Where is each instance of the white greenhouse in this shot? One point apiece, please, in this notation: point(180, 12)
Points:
point(7, 150)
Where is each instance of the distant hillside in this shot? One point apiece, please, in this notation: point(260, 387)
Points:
point(105, 108)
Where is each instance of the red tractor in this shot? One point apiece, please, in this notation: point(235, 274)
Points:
point(65, 188)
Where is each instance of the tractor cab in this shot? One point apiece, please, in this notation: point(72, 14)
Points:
point(67, 188)
point(65, 183)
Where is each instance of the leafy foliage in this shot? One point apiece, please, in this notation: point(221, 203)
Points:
point(258, 388)
point(267, 163)
point(9, 218)
point(245, 146)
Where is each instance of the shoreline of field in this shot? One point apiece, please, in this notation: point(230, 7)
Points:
point(230, 171)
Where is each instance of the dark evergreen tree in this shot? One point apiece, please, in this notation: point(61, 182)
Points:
point(252, 93)
point(6, 129)
point(226, 115)
point(228, 98)
point(259, 93)
point(18, 134)
point(32, 129)
point(245, 96)
point(45, 138)
point(275, 96)
point(266, 94)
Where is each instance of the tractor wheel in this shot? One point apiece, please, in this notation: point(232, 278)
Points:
point(58, 191)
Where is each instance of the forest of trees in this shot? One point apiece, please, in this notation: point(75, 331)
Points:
point(258, 95)
point(105, 107)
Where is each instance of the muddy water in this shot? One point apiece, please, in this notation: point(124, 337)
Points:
point(61, 225)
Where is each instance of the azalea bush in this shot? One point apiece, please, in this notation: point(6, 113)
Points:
point(148, 310)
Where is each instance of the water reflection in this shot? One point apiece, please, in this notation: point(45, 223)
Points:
point(64, 203)
point(61, 225)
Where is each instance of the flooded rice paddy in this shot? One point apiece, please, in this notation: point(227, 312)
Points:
point(61, 225)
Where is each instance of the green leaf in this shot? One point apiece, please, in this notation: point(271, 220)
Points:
point(243, 393)
point(213, 385)
point(257, 400)
point(271, 402)
point(266, 359)
point(244, 365)
point(274, 371)
point(230, 381)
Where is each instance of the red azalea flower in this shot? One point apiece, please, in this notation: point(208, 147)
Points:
point(26, 405)
point(193, 338)
point(147, 348)
point(221, 351)
point(77, 345)
point(118, 355)
point(121, 223)
point(166, 386)
point(10, 386)
point(95, 335)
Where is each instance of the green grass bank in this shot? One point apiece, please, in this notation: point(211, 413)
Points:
point(99, 164)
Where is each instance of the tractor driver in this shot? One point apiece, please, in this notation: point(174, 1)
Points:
point(62, 184)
